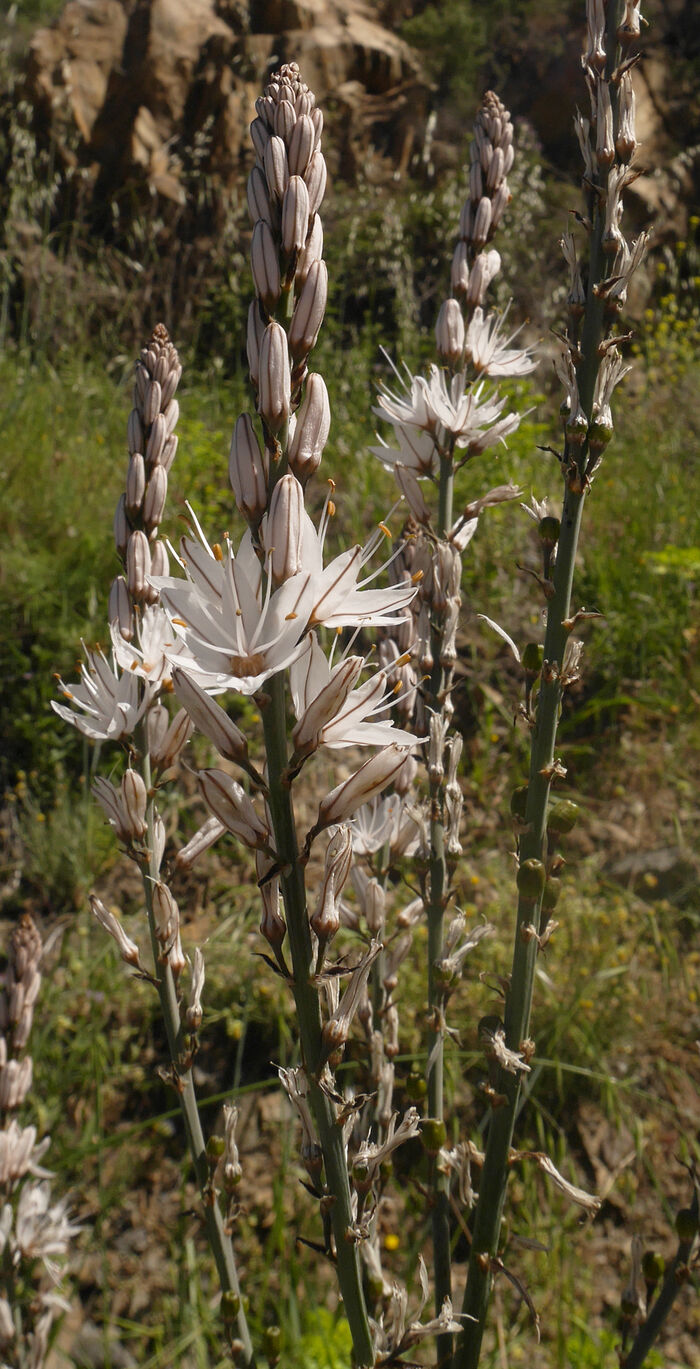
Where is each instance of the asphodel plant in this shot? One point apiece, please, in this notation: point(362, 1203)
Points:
point(272, 617)
point(590, 365)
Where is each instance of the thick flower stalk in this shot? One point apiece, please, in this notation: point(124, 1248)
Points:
point(590, 367)
point(440, 421)
point(124, 700)
point(35, 1230)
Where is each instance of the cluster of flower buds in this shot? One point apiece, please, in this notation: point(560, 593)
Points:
point(32, 1228)
point(473, 268)
point(285, 190)
point(608, 144)
point(22, 980)
point(152, 447)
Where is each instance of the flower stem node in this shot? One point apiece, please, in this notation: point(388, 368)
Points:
point(531, 880)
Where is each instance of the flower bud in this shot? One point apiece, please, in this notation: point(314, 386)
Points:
point(152, 402)
point(313, 421)
point(160, 564)
point(166, 752)
point(158, 436)
point(120, 611)
point(256, 328)
point(301, 145)
point(229, 803)
point(128, 949)
point(284, 119)
point(486, 266)
point(449, 332)
point(167, 455)
point(499, 204)
point(121, 526)
point(265, 265)
point(138, 564)
point(362, 787)
point(274, 380)
point(134, 432)
point(315, 177)
point(166, 915)
point(295, 215)
point(284, 528)
point(210, 718)
point(155, 497)
point(412, 493)
point(482, 222)
point(259, 136)
point(247, 470)
point(133, 802)
point(276, 168)
point(308, 312)
point(258, 197)
point(459, 275)
point(312, 252)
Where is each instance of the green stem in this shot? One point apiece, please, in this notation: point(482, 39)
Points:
point(494, 1175)
point(309, 1018)
point(670, 1288)
point(438, 892)
point(219, 1240)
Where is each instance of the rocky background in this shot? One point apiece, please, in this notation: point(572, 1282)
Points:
point(140, 111)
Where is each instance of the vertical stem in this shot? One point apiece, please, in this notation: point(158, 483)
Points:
point(670, 1288)
point(309, 1016)
point(438, 890)
point(494, 1175)
point(219, 1240)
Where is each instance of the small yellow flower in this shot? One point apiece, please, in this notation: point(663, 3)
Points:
point(391, 1241)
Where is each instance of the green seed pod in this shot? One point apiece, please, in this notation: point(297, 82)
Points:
point(531, 879)
point(216, 1146)
point(549, 530)
point(416, 1087)
point(532, 658)
point(518, 802)
point(230, 1305)
point(272, 1340)
point(563, 816)
point(550, 897)
point(653, 1267)
point(433, 1135)
point(686, 1224)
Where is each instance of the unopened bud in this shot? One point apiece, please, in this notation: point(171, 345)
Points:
point(258, 197)
point(256, 328)
point(160, 564)
point(482, 222)
point(229, 803)
point(176, 737)
point(301, 145)
point(295, 215)
point(134, 801)
point(284, 528)
point(121, 526)
point(312, 252)
point(135, 484)
point(210, 718)
point(247, 470)
point(154, 498)
point(309, 310)
point(274, 380)
point(311, 431)
point(138, 564)
point(159, 434)
point(276, 168)
point(134, 432)
point(449, 332)
point(315, 176)
point(120, 611)
point(265, 264)
point(362, 787)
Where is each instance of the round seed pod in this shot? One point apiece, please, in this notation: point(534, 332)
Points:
point(531, 879)
point(563, 816)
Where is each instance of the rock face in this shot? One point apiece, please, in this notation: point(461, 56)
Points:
point(143, 93)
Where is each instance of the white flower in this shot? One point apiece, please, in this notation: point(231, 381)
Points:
point(445, 409)
point(338, 597)
point(112, 704)
point(42, 1228)
point(490, 353)
point(150, 657)
point(235, 635)
point(20, 1155)
point(331, 712)
point(381, 821)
